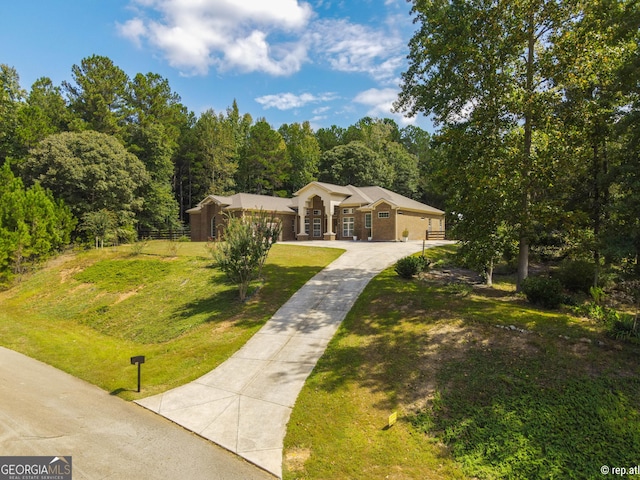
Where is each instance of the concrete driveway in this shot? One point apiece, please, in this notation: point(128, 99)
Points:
point(244, 404)
point(46, 412)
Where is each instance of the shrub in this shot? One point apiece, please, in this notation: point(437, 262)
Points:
point(247, 243)
point(543, 291)
point(576, 275)
point(409, 266)
point(624, 327)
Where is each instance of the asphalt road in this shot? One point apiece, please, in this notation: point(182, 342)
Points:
point(46, 412)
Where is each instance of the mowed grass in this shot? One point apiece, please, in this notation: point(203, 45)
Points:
point(88, 313)
point(473, 400)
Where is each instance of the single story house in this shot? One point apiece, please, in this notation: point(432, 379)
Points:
point(323, 211)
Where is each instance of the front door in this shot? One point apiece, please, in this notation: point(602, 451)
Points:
point(348, 227)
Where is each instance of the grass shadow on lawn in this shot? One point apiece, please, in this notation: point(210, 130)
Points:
point(264, 298)
point(507, 404)
point(84, 316)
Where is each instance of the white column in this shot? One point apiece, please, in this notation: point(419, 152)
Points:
point(301, 214)
point(329, 220)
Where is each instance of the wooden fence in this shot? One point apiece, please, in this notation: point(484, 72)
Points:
point(173, 235)
point(436, 235)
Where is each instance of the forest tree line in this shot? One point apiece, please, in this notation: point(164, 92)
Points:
point(124, 155)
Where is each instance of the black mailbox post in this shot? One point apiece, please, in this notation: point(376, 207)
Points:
point(139, 360)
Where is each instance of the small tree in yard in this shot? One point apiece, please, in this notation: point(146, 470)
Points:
point(99, 225)
point(247, 241)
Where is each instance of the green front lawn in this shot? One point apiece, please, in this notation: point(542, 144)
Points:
point(474, 400)
point(88, 313)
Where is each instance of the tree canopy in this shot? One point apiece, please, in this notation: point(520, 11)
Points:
point(33, 224)
point(90, 171)
point(502, 82)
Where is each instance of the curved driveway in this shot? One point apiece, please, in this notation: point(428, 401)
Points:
point(244, 404)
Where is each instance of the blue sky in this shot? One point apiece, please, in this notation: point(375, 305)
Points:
point(329, 62)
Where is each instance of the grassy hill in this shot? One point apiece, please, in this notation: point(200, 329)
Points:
point(485, 385)
point(88, 313)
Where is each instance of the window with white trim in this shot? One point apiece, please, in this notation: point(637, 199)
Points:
point(348, 226)
point(306, 226)
point(383, 215)
point(317, 231)
point(317, 212)
point(347, 211)
point(367, 220)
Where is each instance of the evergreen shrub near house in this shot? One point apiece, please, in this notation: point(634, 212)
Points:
point(409, 266)
point(543, 291)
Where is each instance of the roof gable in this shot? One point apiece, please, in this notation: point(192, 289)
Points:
point(365, 198)
point(328, 187)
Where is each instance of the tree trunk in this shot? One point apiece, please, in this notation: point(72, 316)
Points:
point(523, 252)
point(489, 279)
point(597, 207)
point(523, 261)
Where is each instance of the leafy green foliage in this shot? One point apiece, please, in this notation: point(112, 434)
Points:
point(543, 291)
point(247, 242)
point(303, 151)
point(33, 225)
point(97, 96)
point(101, 225)
point(354, 164)
point(408, 267)
point(508, 423)
point(90, 171)
point(624, 327)
point(10, 100)
point(263, 162)
point(528, 96)
point(576, 275)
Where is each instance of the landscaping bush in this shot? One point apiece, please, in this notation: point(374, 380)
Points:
point(543, 291)
point(624, 327)
point(409, 266)
point(576, 275)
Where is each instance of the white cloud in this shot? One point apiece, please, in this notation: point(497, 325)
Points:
point(287, 101)
point(351, 47)
point(275, 37)
point(197, 34)
point(380, 103)
point(133, 29)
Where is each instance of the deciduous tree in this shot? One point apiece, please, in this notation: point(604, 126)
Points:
point(355, 164)
point(491, 64)
point(90, 171)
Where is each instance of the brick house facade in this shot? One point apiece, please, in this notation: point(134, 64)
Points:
point(323, 211)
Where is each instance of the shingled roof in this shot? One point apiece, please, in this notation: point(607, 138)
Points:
point(362, 197)
point(249, 202)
